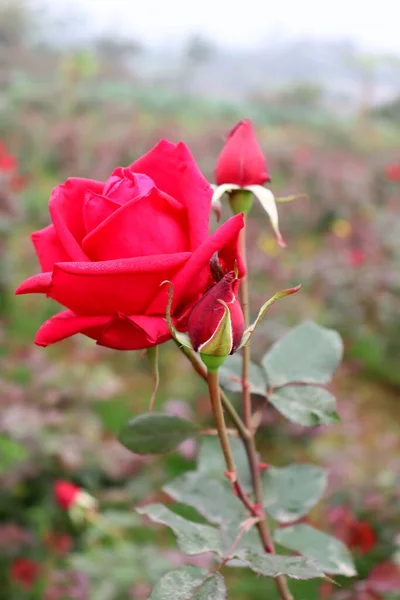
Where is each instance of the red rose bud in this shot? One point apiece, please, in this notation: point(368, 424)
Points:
point(241, 161)
point(65, 494)
point(79, 504)
point(216, 323)
point(24, 572)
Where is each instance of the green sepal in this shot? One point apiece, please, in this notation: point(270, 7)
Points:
point(212, 363)
point(221, 341)
point(241, 201)
point(250, 330)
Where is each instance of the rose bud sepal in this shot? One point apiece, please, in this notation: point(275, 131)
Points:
point(250, 330)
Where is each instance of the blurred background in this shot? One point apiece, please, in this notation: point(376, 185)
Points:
point(86, 86)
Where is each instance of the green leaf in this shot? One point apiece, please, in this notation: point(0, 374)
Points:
point(307, 354)
point(291, 492)
point(211, 498)
point(306, 405)
point(272, 565)
point(331, 554)
point(230, 374)
point(113, 413)
point(211, 461)
point(213, 588)
point(156, 433)
point(189, 583)
point(192, 538)
point(11, 453)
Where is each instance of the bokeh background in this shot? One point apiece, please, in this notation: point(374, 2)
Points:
point(86, 86)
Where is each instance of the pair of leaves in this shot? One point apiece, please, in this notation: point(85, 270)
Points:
point(289, 492)
point(196, 538)
point(307, 355)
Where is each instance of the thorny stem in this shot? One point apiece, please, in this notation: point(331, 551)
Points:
point(230, 409)
point(218, 412)
point(249, 443)
point(248, 440)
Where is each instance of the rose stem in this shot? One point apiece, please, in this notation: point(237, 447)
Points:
point(248, 441)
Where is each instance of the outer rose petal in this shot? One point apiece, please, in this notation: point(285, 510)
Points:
point(192, 280)
point(151, 225)
point(127, 285)
point(134, 333)
point(48, 248)
point(66, 210)
point(242, 161)
point(67, 323)
point(173, 170)
point(37, 284)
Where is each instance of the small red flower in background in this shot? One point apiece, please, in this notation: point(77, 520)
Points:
point(392, 171)
point(25, 572)
point(60, 543)
point(8, 162)
point(242, 161)
point(362, 537)
point(357, 534)
point(384, 579)
point(65, 493)
point(357, 258)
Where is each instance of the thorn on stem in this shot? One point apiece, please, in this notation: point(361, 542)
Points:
point(232, 476)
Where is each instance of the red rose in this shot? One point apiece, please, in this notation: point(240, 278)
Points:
point(362, 537)
point(384, 578)
point(65, 493)
point(7, 161)
point(25, 572)
point(241, 161)
point(205, 326)
point(392, 172)
point(60, 543)
point(112, 244)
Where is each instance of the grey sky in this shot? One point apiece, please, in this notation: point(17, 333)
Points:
point(245, 23)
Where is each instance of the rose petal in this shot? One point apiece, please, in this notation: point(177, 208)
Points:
point(192, 280)
point(134, 333)
point(66, 210)
point(153, 224)
point(96, 209)
point(65, 324)
point(126, 285)
point(121, 187)
point(174, 170)
point(48, 248)
point(124, 184)
point(37, 284)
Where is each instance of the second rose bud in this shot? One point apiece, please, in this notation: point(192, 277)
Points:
point(216, 323)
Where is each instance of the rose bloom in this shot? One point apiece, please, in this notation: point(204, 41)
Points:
point(112, 244)
point(241, 160)
point(25, 572)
